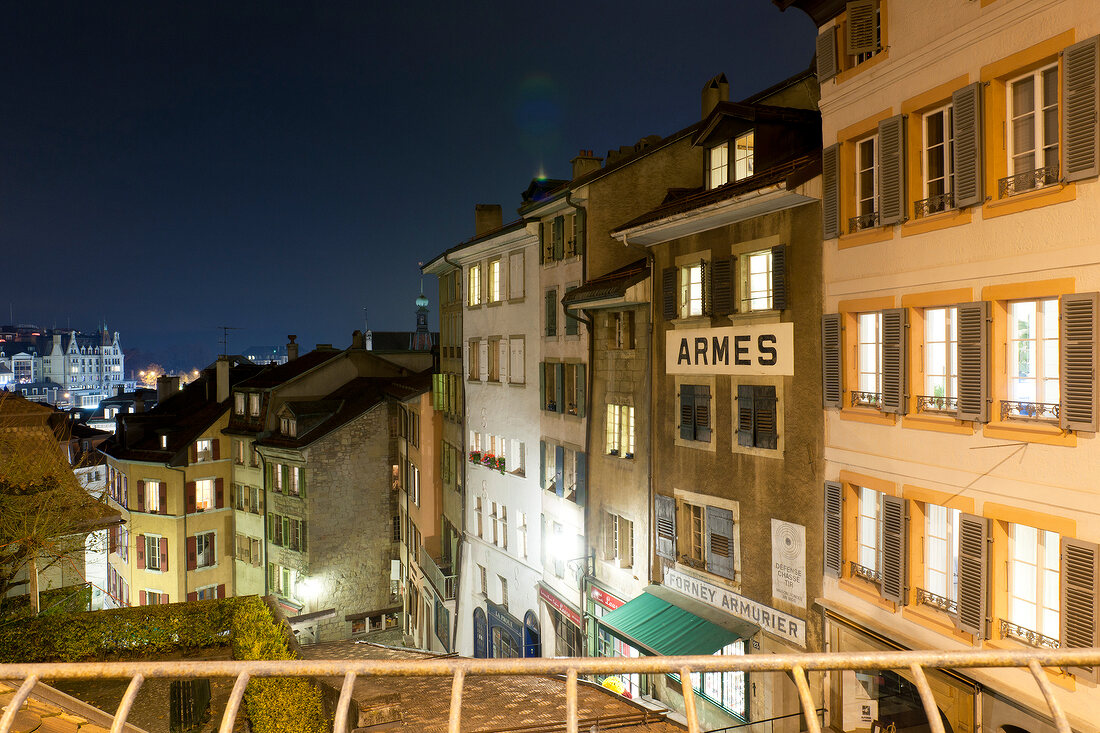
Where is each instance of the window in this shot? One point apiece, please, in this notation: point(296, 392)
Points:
point(620, 431)
point(517, 365)
point(620, 327)
point(277, 476)
point(414, 483)
point(521, 534)
point(152, 497)
point(691, 290)
point(571, 323)
point(496, 358)
point(494, 294)
point(155, 598)
point(620, 540)
point(503, 591)
point(204, 450)
point(866, 185)
point(863, 31)
point(756, 281)
point(1033, 581)
point(238, 452)
point(483, 575)
point(204, 494)
point(941, 554)
point(718, 165)
point(478, 518)
point(297, 539)
point(500, 534)
point(869, 532)
point(152, 552)
point(474, 285)
point(572, 374)
point(941, 360)
point(727, 689)
point(1033, 384)
point(868, 360)
point(238, 403)
point(695, 412)
point(937, 128)
point(473, 352)
point(709, 540)
point(515, 275)
point(207, 593)
point(552, 374)
point(294, 476)
point(204, 550)
point(552, 312)
point(743, 155)
point(288, 426)
point(1033, 130)
point(254, 404)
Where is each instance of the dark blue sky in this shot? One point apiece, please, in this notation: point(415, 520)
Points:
point(276, 166)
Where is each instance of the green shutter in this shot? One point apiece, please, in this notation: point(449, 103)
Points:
point(542, 385)
point(570, 321)
point(559, 388)
point(581, 387)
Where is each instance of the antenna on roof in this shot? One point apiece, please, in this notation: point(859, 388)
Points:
point(225, 337)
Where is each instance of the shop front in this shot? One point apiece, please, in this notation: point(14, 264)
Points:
point(507, 635)
point(565, 619)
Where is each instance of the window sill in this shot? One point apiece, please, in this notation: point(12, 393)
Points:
point(868, 415)
point(867, 591)
point(704, 445)
point(936, 620)
point(516, 384)
point(1065, 680)
point(495, 303)
point(935, 222)
point(691, 322)
point(1037, 432)
point(937, 423)
point(854, 71)
point(867, 236)
point(1054, 194)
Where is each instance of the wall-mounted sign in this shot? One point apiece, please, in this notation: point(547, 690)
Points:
point(767, 349)
point(605, 599)
point(789, 562)
point(559, 605)
point(777, 623)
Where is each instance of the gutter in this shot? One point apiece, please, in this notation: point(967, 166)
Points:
point(462, 435)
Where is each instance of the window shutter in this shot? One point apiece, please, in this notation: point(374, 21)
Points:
point(826, 55)
point(973, 593)
point(482, 362)
point(301, 481)
point(542, 243)
point(112, 540)
point(704, 282)
point(967, 116)
point(559, 470)
point(582, 230)
point(216, 451)
point(582, 478)
point(745, 412)
point(668, 293)
point(559, 237)
point(1081, 110)
point(766, 429)
point(140, 551)
point(560, 386)
point(895, 550)
point(221, 590)
point(779, 277)
point(163, 497)
point(722, 282)
point(142, 598)
point(720, 542)
point(140, 495)
point(665, 512)
point(831, 383)
point(609, 526)
point(1079, 618)
point(1078, 341)
point(219, 493)
point(973, 355)
point(895, 395)
point(193, 596)
point(163, 553)
point(302, 540)
point(271, 528)
point(891, 170)
point(551, 312)
point(830, 194)
point(860, 29)
point(194, 450)
point(834, 523)
point(702, 412)
point(192, 553)
point(581, 388)
point(687, 411)
point(542, 385)
point(189, 497)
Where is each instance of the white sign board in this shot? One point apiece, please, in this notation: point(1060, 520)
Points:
point(789, 562)
point(767, 349)
point(774, 622)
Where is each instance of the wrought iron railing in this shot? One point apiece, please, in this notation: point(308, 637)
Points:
point(865, 572)
point(867, 399)
point(572, 668)
point(937, 403)
point(866, 221)
point(933, 205)
point(928, 598)
point(1027, 181)
point(1028, 636)
point(1016, 410)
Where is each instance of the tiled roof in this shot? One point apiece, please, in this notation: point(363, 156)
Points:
point(273, 376)
point(611, 285)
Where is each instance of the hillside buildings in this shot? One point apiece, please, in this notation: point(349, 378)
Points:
point(65, 368)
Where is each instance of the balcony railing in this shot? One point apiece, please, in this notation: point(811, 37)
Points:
point(928, 598)
point(867, 399)
point(866, 573)
point(1027, 181)
point(933, 205)
point(937, 403)
point(796, 665)
point(1026, 635)
point(1015, 410)
point(866, 221)
point(445, 585)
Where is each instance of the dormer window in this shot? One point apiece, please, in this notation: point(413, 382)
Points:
point(718, 164)
point(742, 155)
point(254, 404)
point(204, 450)
point(238, 404)
point(289, 427)
point(164, 441)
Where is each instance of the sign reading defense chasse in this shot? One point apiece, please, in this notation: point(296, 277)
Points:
point(764, 350)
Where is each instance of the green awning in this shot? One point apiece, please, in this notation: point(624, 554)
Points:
point(669, 630)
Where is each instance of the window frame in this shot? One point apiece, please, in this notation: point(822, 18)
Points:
point(1042, 572)
point(947, 150)
point(494, 283)
point(206, 544)
point(688, 281)
point(473, 285)
point(864, 397)
point(1040, 364)
point(928, 400)
point(205, 494)
point(748, 300)
point(1039, 150)
point(718, 172)
point(748, 158)
point(865, 219)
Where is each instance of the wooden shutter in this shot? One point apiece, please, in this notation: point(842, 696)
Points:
point(765, 405)
point(973, 361)
point(687, 411)
point(542, 243)
point(860, 36)
point(702, 412)
point(582, 478)
point(192, 553)
point(189, 497)
point(1081, 110)
point(271, 528)
point(482, 368)
point(779, 277)
point(559, 470)
point(610, 524)
point(834, 525)
point(193, 596)
point(830, 193)
point(826, 55)
point(163, 497)
point(559, 391)
point(668, 293)
point(891, 170)
point(221, 590)
point(140, 552)
point(542, 385)
point(142, 598)
point(1079, 346)
point(194, 451)
point(720, 547)
point(745, 412)
point(163, 553)
point(704, 283)
point(219, 493)
point(1078, 621)
point(559, 237)
point(582, 230)
point(831, 382)
point(967, 123)
point(722, 281)
point(895, 550)
point(973, 590)
point(112, 540)
point(551, 312)
point(895, 384)
point(140, 495)
point(216, 451)
point(665, 512)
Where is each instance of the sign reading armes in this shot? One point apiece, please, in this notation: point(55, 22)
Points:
point(767, 349)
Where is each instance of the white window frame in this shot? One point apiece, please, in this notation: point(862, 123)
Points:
point(152, 496)
point(718, 165)
point(947, 341)
point(944, 149)
point(941, 551)
point(206, 544)
point(864, 197)
point(869, 354)
point(1034, 602)
point(1039, 147)
point(153, 540)
point(743, 154)
point(1046, 389)
point(205, 498)
point(691, 290)
point(869, 529)
point(756, 282)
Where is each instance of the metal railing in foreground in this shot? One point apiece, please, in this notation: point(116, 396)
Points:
point(915, 662)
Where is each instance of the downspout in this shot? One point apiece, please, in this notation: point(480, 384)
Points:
point(183, 475)
point(462, 437)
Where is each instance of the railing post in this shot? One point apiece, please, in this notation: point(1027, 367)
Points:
point(931, 711)
point(804, 695)
point(123, 711)
point(689, 700)
point(454, 723)
point(1056, 711)
point(341, 723)
point(234, 704)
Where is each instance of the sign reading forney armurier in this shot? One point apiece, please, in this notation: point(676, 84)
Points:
point(767, 349)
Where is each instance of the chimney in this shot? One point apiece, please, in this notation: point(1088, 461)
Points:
point(585, 163)
point(139, 401)
point(716, 90)
point(487, 217)
point(121, 390)
point(166, 387)
point(358, 340)
point(291, 349)
point(222, 374)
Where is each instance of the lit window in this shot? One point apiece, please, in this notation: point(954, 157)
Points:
point(474, 290)
point(870, 530)
point(757, 281)
point(742, 156)
point(277, 475)
point(152, 497)
point(620, 431)
point(238, 403)
point(719, 165)
point(204, 450)
point(494, 281)
point(941, 368)
point(869, 359)
point(288, 426)
point(866, 184)
point(691, 290)
point(254, 404)
point(164, 441)
point(204, 550)
point(204, 494)
point(939, 149)
point(1033, 125)
point(1032, 355)
point(941, 552)
point(294, 480)
point(1033, 580)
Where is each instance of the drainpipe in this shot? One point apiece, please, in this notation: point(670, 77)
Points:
point(183, 476)
point(462, 518)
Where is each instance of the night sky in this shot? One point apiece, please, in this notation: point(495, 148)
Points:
point(173, 167)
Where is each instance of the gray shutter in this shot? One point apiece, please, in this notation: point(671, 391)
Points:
point(722, 282)
point(542, 464)
point(973, 592)
point(1078, 341)
point(967, 117)
point(558, 232)
point(895, 550)
point(1081, 110)
point(891, 170)
point(665, 512)
point(542, 385)
point(702, 412)
point(1079, 618)
point(830, 194)
point(542, 243)
point(551, 312)
point(720, 542)
point(687, 411)
point(834, 524)
point(559, 470)
point(581, 497)
point(860, 29)
point(668, 293)
point(559, 394)
point(826, 55)
point(764, 417)
point(831, 383)
point(581, 387)
point(894, 360)
point(779, 277)
point(745, 411)
point(973, 361)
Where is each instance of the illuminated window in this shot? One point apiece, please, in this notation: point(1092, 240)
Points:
point(939, 149)
point(204, 494)
point(254, 404)
point(941, 551)
point(941, 349)
point(1033, 352)
point(238, 403)
point(743, 155)
point(204, 550)
point(719, 165)
point(870, 529)
point(494, 281)
point(691, 290)
point(1033, 123)
point(152, 497)
point(866, 181)
point(756, 281)
point(869, 359)
point(1033, 579)
point(474, 285)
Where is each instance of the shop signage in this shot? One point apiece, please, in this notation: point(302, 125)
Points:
point(789, 562)
point(767, 350)
point(500, 617)
point(774, 622)
point(605, 599)
point(559, 605)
